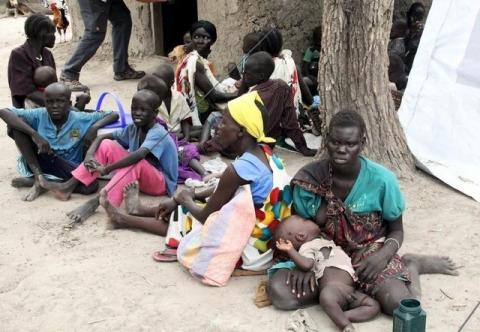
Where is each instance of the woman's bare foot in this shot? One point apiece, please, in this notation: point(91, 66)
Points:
point(425, 264)
point(130, 196)
point(84, 211)
point(115, 217)
point(62, 190)
point(35, 191)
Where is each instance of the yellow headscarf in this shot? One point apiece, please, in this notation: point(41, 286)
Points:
point(246, 113)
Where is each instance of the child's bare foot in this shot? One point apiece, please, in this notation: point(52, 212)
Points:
point(130, 196)
point(425, 264)
point(62, 190)
point(23, 182)
point(33, 193)
point(114, 215)
point(84, 211)
point(349, 328)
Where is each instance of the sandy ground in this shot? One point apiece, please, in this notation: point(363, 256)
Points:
point(92, 278)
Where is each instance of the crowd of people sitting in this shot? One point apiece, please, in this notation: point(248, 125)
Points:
point(331, 234)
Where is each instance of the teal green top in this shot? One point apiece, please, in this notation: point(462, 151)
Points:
point(375, 190)
point(311, 54)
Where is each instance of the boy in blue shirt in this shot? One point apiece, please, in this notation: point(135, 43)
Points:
point(52, 139)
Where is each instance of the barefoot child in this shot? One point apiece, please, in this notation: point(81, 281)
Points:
point(43, 76)
point(143, 152)
point(300, 240)
point(51, 140)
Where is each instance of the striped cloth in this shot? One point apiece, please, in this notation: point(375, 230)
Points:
point(211, 252)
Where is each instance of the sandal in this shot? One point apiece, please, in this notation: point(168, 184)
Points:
point(165, 256)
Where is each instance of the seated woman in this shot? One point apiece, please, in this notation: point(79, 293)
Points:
point(34, 53)
point(358, 204)
point(194, 77)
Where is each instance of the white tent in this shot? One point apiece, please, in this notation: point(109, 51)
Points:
point(440, 110)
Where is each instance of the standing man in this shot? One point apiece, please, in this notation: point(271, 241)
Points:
point(95, 14)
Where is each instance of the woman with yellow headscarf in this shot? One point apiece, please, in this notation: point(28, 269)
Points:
point(234, 217)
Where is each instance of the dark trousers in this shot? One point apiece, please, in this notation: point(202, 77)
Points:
point(95, 14)
point(48, 164)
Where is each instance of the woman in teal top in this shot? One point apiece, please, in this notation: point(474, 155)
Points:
point(358, 204)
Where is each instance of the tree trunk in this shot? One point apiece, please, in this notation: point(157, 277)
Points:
point(353, 75)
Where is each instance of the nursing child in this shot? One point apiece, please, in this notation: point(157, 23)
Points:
point(300, 239)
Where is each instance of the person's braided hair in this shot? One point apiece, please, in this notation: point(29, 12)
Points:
point(37, 23)
point(347, 118)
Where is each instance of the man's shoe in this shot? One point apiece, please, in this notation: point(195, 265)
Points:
point(129, 74)
point(74, 85)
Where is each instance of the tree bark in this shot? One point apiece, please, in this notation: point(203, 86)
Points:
point(353, 75)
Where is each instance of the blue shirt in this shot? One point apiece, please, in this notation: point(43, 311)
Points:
point(67, 141)
point(160, 145)
point(260, 177)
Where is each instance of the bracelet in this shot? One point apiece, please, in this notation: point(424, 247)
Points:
point(394, 240)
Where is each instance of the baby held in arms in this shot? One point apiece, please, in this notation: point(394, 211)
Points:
point(300, 240)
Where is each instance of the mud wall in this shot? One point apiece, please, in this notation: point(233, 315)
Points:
point(235, 18)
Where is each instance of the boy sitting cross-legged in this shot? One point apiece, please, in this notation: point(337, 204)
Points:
point(52, 139)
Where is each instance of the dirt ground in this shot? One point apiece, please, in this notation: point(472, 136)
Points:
point(92, 278)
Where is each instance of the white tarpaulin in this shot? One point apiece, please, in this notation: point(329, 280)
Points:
point(440, 110)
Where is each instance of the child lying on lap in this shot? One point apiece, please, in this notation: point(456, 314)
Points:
point(300, 240)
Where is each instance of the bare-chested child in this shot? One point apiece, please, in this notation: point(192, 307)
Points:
point(46, 75)
point(143, 152)
point(300, 240)
point(43, 76)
